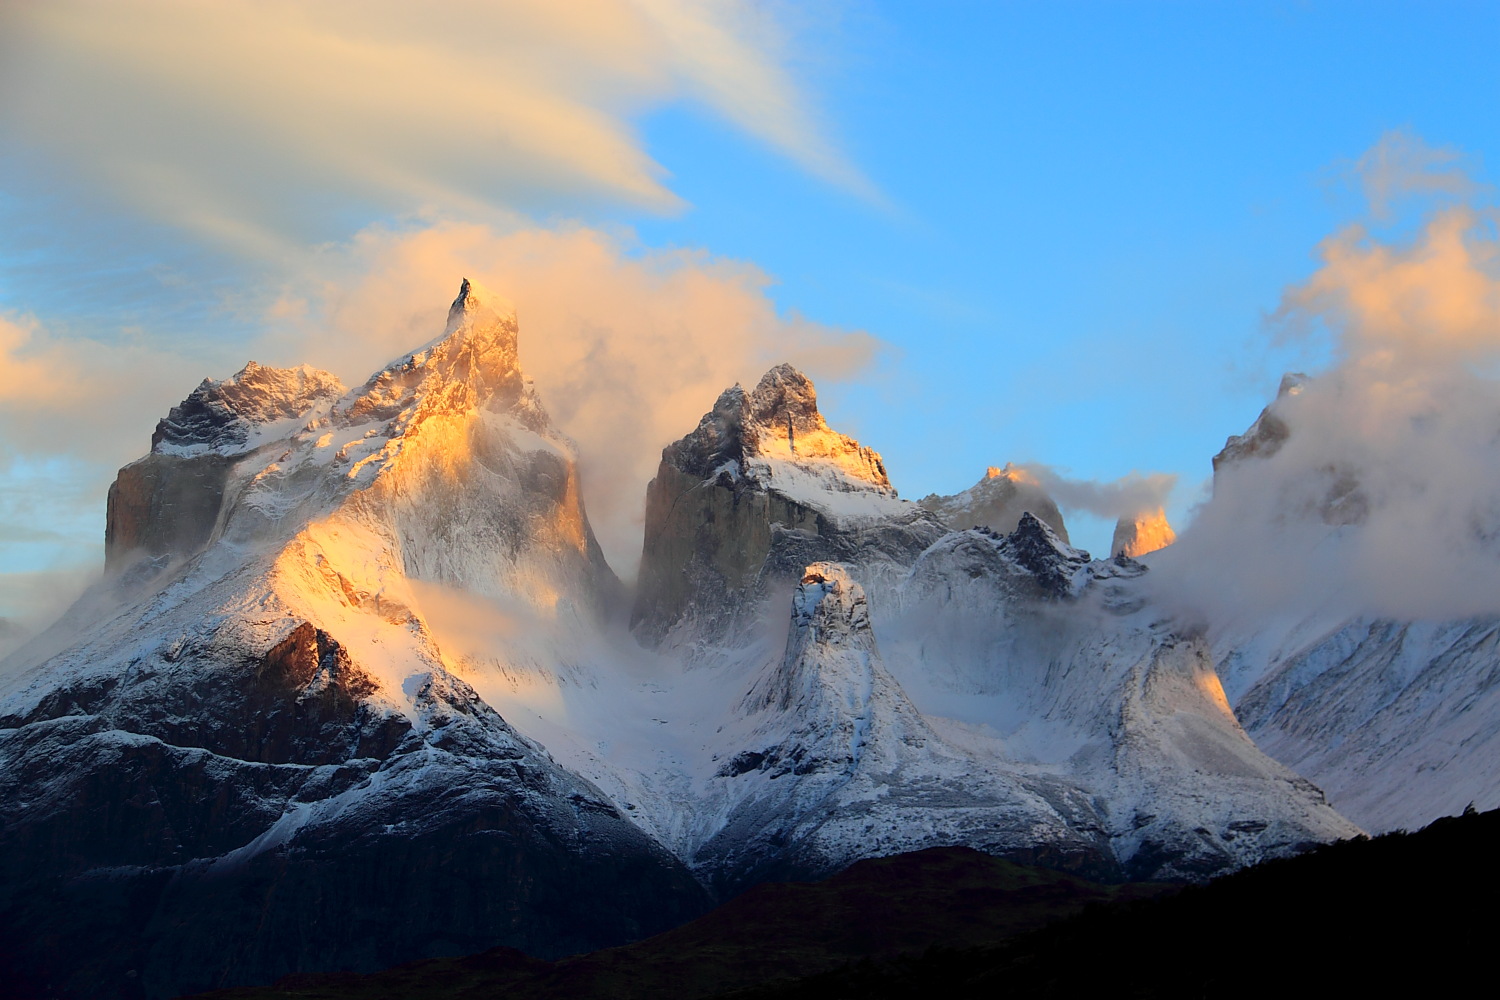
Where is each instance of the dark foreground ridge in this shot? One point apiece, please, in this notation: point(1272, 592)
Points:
point(880, 908)
point(1401, 914)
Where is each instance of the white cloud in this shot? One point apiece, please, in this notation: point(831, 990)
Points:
point(1127, 496)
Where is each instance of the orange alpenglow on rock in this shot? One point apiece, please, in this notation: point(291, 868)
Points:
point(1146, 532)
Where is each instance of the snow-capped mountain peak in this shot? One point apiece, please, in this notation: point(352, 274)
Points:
point(997, 501)
point(473, 365)
point(233, 415)
point(787, 428)
point(760, 489)
point(774, 436)
point(1037, 548)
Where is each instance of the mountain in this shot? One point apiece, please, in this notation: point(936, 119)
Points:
point(933, 686)
point(997, 501)
point(758, 491)
point(358, 687)
point(245, 752)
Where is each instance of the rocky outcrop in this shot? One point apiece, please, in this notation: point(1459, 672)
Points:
point(997, 502)
point(1269, 432)
point(168, 503)
point(760, 489)
point(1146, 532)
point(225, 416)
point(1054, 565)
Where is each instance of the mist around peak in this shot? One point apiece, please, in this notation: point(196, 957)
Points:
point(1372, 487)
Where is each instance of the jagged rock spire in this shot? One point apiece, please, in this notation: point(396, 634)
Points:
point(1145, 532)
point(474, 364)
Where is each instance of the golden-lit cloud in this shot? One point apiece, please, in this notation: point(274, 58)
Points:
point(1432, 302)
point(80, 398)
point(36, 371)
point(244, 120)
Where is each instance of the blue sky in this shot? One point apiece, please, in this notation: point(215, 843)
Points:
point(1093, 207)
point(1066, 223)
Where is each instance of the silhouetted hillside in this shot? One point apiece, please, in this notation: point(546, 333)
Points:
point(883, 908)
point(1400, 915)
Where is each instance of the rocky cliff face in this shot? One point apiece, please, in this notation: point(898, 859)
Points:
point(1146, 532)
point(167, 504)
point(742, 504)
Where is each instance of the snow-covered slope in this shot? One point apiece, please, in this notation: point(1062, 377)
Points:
point(1398, 721)
point(1050, 663)
point(836, 763)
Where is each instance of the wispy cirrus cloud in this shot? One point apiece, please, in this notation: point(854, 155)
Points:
point(259, 123)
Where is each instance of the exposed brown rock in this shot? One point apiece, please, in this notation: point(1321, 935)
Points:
point(1146, 532)
point(164, 505)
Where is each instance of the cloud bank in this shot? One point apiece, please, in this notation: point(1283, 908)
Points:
point(1127, 496)
point(1384, 497)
